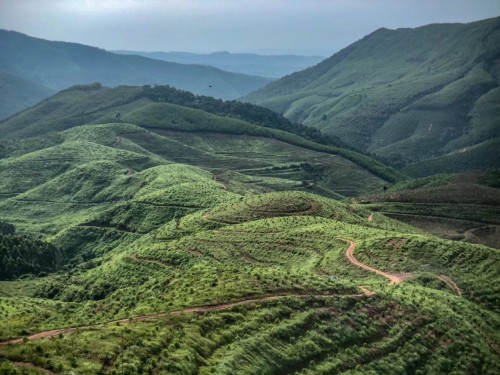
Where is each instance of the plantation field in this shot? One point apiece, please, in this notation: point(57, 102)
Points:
point(290, 246)
point(150, 237)
point(463, 207)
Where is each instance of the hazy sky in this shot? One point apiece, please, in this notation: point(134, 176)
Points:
point(263, 26)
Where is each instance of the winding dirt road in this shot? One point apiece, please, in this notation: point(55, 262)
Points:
point(191, 310)
point(394, 279)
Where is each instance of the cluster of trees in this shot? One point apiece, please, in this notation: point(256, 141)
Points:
point(20, 255)
point(7, 228)
point(244, 111)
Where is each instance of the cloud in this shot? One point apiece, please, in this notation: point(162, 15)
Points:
point(303, 26)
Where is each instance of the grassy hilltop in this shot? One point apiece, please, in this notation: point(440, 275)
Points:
point(425, 100)
point(146, 230)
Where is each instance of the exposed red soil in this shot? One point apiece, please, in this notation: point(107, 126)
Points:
point(394, 279)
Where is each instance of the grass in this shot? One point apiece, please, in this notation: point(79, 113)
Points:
point(277, 243)
point(129, 105)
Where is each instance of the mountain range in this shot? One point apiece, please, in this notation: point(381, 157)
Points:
point(55, 66)
point(18, 93)
point(424, 100)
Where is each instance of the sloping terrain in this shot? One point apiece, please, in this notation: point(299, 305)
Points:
point(263, 284)
point(59, 65)
point(424, 99)
point(274, 66)
point(183, 242)
point(462, 207)
point(87, 122)
point(18, 93)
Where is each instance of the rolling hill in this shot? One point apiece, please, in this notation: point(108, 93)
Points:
point(59, 65)
point(210, 138)
point(424, 100)
point(147, 230)
point(274, 66)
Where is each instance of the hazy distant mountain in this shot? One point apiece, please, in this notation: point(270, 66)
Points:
point(274, 66)
point(425, 99)
point(18, 93)
point(59, 65)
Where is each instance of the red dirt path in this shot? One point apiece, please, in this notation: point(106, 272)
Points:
point(191, 310)
point(394, 279)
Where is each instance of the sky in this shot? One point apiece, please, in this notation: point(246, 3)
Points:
point(309, 27)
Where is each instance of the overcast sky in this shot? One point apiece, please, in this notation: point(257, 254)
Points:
point(263, 26)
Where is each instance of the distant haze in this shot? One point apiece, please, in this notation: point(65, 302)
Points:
point(307, 27)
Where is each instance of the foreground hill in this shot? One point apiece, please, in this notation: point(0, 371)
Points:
point(146, 236)
point(58, 65)
point(168, 271)
point(424, 99)
point(274, 66)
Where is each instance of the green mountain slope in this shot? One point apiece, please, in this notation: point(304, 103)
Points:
point(58, 65)
point(18, 93)
point(422, 99)
point(274, 66)
point(134, 122)
point(152, 237)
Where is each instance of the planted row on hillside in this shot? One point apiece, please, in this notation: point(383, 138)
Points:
point(170, 116)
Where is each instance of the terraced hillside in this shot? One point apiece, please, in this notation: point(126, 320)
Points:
point(271, 283)
point(87, 122)
point(425, 100)
point(462, 207)
point(185, 242)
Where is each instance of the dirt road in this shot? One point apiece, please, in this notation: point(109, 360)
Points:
point(394, 279)
point(191, 310)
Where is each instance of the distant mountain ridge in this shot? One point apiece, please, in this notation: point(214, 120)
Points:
point(425, 100)
point(18, 93)
point(58, 65)
point(273, 66)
